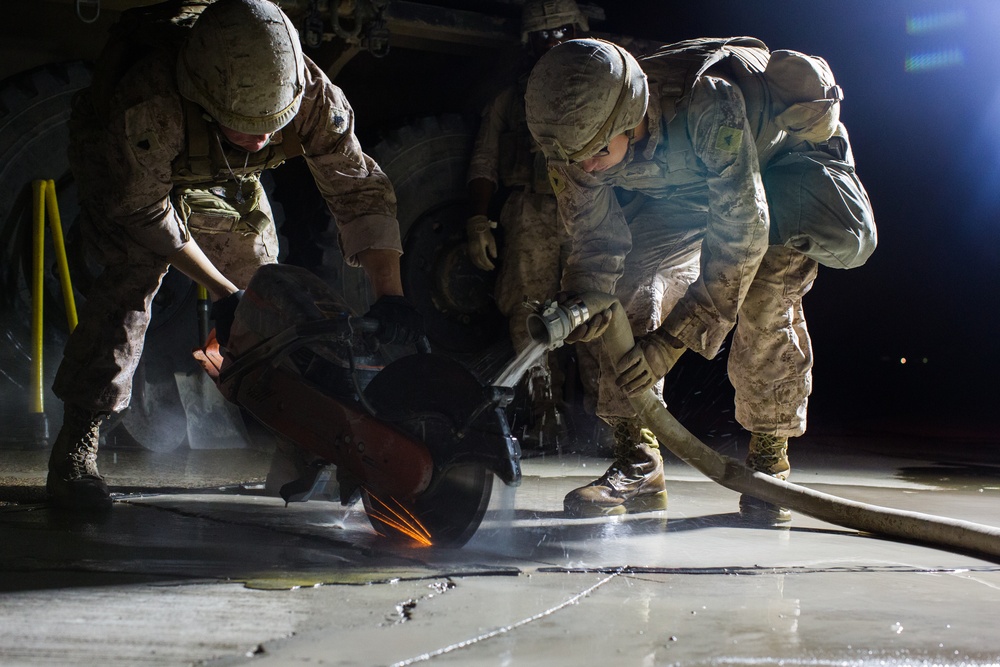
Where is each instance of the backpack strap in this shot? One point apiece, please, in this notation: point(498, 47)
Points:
point(291, 143)
point(676, 67)
point(745, 68)
point(197, 159)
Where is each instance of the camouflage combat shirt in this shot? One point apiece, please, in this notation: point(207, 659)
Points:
point(726, 186)
point(129, 175)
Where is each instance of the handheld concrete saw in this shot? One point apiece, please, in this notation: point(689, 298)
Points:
point(418, 438)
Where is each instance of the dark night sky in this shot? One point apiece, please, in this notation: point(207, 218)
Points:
point(927, 146)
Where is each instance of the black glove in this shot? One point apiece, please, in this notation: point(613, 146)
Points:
point(399, 323)
point(223, 312)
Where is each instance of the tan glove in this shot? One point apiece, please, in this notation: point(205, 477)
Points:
point(589, 330)
point(480, 243)
point(648, 362)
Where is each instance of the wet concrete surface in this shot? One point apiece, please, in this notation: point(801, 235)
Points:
point(194, 565)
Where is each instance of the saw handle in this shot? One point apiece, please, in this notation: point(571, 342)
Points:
point(369, 326)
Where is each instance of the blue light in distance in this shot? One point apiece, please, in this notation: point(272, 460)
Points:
point(935, 22)
point(933, 60)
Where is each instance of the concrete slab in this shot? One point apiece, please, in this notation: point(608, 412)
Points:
point(191, 571)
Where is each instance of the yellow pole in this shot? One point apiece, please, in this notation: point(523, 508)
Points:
point(37, 295)
point(55, 223)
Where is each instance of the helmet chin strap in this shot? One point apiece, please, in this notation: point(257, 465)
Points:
point(229, 142)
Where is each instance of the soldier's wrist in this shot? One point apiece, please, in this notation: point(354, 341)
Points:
point(479, 224)
point(667, 339)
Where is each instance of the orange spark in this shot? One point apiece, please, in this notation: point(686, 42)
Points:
point(404, 521)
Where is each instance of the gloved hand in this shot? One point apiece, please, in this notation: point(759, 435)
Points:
point(481, 244)
point(589, 330)
point(645, 364)
point(223, 312)
point(399, 322)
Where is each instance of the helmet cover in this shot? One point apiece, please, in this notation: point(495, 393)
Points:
point(580, 95)
point(805, 96)
point(242, 62)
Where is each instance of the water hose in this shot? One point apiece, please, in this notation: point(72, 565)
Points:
point(551, 326)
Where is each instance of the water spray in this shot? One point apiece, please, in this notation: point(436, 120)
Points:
point(548, 328)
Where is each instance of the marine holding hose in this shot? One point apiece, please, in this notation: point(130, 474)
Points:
point(689, 257)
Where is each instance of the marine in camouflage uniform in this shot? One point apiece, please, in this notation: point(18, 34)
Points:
point(689, 260)
point(535, 241)
point(160, 177)
point(534, 238)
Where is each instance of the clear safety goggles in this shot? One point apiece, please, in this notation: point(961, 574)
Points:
point(599, 154)
point(554, 33)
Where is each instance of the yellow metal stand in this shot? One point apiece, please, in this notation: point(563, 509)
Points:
point(204, 308)
point(45, 203)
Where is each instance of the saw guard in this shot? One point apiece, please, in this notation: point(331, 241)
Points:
point(437, 400)
point(440, 403)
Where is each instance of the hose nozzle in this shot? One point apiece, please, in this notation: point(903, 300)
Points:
point(553, 322)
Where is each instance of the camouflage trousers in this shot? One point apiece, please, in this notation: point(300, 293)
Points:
point(535, 243)
point(770, 360)
point(103, 352)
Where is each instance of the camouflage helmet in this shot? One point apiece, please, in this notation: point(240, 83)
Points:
point(805, 96)
point(242, 62)
point(548, 14)
point(580, 95)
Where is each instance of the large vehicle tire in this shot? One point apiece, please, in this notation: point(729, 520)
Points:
point(34, 109)
point(427, 162)
point(34, 112)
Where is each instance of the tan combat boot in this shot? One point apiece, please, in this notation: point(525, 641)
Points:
point(633, 483)
point(768, 454)
point(73, 481)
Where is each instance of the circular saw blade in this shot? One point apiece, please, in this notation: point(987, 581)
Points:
point(447, 514)
point(429, 397)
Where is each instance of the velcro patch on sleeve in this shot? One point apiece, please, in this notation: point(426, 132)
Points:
point(556, 181)
point(339, 118)
point(728, 139)
point(140, 127)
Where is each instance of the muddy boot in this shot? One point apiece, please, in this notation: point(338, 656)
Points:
point(73, 481)
point(768, 454)
point(634, 482)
